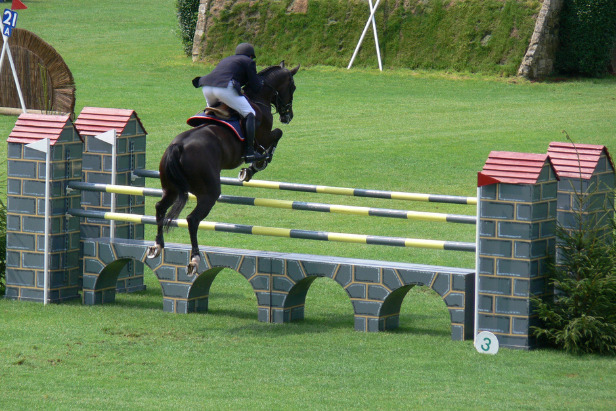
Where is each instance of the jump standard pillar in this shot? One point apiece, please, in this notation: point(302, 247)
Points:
point(130, 154)
point(26, 186)
point(516, 240)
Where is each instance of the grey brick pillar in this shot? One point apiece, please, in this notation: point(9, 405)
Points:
point(97, 163)
point(26, 173)
point(517, 217)
point(585, 187)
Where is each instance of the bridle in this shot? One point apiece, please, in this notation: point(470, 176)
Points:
point(281, 108)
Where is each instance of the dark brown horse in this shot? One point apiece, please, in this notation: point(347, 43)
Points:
point(194, 159)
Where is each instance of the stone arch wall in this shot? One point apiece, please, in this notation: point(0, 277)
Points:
point(281, 281)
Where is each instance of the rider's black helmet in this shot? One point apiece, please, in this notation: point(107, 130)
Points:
point(245, 49)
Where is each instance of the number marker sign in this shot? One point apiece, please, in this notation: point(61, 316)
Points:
point(486, 343)
point(9, 21)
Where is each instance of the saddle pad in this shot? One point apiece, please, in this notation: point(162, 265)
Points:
point(233, 124)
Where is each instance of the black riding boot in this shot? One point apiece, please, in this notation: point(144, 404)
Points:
point(250, 155)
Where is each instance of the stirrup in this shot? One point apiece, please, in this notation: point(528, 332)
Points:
point(254, 157)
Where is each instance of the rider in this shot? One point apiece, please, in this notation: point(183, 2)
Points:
point(224, 84)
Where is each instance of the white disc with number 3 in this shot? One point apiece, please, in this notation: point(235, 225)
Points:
point(486, 343)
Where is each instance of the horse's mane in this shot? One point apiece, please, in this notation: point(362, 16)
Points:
point(269, 72)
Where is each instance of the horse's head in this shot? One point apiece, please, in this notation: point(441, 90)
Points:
point(280, 80)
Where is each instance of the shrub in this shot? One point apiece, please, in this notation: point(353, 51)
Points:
point(188, 12)
point(587, 37)
point(580, 316)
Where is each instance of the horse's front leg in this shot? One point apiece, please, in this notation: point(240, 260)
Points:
point(247, 173)
point(205, 202)
point(161, 209)
point(275, 136)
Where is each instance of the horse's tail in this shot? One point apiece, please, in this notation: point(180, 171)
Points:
point(176, 176)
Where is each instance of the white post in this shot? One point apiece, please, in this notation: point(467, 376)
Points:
point(477, 232)
point(7, 50)
point(47, 178)
point(44, 146)
point(4, 46)
point(376, 39)
point(363, 34)
point(112, 227)
point(110, 137)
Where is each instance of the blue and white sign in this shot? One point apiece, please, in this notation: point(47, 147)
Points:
point(9, 21)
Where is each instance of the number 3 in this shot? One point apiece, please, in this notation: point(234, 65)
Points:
point(486, 346)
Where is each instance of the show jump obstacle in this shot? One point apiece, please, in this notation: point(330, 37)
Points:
point(92, 241)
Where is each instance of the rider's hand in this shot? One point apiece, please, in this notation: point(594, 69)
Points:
point(195, 82)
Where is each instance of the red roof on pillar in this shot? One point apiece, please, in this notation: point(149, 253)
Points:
point(512, 168)
point(33, 127)
point(576, 160)
point(93, 121)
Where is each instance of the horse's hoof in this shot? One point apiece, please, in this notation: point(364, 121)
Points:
point(154, 251)
point(191, 268)
point(245, 174)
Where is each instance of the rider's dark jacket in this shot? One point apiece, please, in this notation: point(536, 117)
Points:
point(240, 69)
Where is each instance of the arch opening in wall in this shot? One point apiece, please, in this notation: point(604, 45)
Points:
point(150, 297)
point(46, 81)
point(424, 312)
point(327, 305)
point(108, 277)
point(231, 295)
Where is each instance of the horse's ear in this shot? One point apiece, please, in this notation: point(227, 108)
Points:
point(295, 70)
point(282, 64)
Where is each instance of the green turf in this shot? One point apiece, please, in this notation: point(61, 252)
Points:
point(397, 130)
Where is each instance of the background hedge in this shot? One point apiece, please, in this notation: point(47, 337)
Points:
point(188, 12)
point(587, 37)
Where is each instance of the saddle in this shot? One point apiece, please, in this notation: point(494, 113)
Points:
point(220, 115)
point(221, 111)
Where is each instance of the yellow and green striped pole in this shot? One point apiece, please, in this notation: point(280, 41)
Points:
point(356, 192)
point(291, 205)
point(285, 232)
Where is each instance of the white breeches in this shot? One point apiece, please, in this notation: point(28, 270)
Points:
point(228, 96)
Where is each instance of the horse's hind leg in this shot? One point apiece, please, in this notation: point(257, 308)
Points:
point(161, 209)
point(205, 202)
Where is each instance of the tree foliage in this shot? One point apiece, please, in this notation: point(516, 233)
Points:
point(580, 316)
point(587, 37)
point(188, 13)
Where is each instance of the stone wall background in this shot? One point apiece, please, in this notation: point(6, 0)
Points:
point(539, 59)
point(537, 62)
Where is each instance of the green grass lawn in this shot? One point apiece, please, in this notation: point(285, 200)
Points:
point(397, 130)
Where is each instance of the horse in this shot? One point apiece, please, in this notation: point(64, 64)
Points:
point(194, 159)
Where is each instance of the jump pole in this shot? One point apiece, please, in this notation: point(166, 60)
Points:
point(354, 192)
point(285, 232)
point(289, 205)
